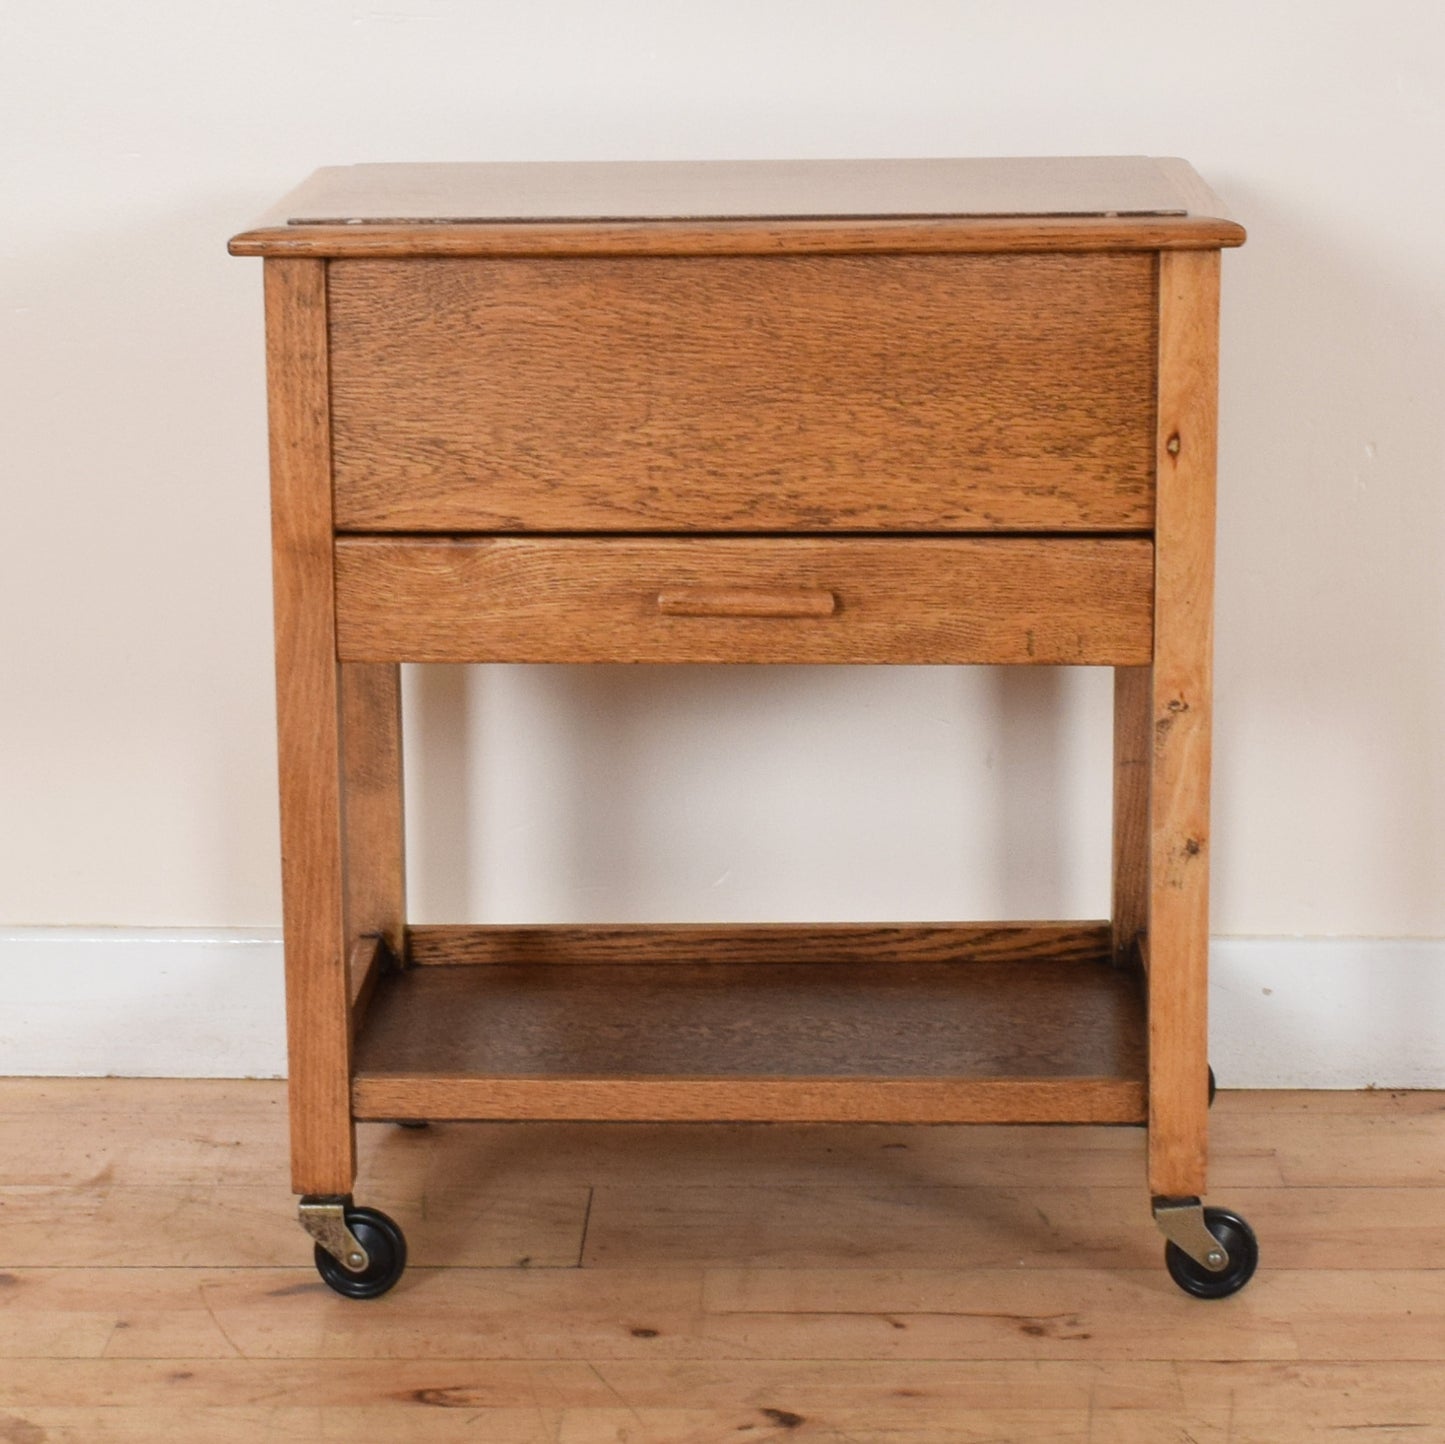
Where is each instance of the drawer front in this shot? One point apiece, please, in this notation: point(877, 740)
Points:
point(744, 393)
point(616, 599)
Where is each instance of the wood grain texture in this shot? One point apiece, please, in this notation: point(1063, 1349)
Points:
point(1182, 697)
point(1070, 1308)
point(988, 235)
point(898, 600)
point(620, 1398)
point(1041, 1041)
point(741, 602)
point(731, 1276)
point(894, 1223)
point(660, 1319)
point(770, 943)
point(372, 778)
point(431, 1096)
point(744, 394)
point(484, 1225)
point(308, 705)
point(733, 1020)
point(1133, 753)
point(370, 957)
point(84, 1135)
point(928, 1397)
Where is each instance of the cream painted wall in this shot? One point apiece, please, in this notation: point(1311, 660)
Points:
point(136, 771)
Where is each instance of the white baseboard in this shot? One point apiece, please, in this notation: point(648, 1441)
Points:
point(196, 1003)
point(1327, 1012)
point(142, 1003)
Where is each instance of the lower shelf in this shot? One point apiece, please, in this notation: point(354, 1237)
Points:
point(880, 1025)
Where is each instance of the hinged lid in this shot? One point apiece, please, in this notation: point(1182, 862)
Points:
point(601, 206)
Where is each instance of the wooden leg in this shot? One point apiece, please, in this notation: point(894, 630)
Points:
point(1133, 731)
point(375, 847)
point(308, 706)
point(1178, 923)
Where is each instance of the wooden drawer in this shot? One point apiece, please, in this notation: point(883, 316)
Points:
point(744, 393)
point(908, 600)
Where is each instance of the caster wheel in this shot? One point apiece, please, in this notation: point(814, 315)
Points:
point(1239, 1243)
point(1212, 1088)
point(385, 1246)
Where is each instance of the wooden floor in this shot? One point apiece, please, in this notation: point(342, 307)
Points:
point(693, 1284)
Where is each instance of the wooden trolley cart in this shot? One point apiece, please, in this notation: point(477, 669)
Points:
point(888, 412)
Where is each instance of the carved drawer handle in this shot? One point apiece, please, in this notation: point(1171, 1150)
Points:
point(745, 602)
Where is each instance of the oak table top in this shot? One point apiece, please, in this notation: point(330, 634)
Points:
point(918, 204)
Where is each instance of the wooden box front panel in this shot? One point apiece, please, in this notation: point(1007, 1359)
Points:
point(744, 393)
point(775, 599)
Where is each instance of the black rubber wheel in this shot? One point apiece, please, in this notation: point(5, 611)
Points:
point(1212, 1088)
point(1239, 1243)
point(385, 1247)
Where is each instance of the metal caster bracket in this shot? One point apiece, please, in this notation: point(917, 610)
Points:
point(1181, 1221)
point(325, 1220)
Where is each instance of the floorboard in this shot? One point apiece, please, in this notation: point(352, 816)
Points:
point(691, 1284)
